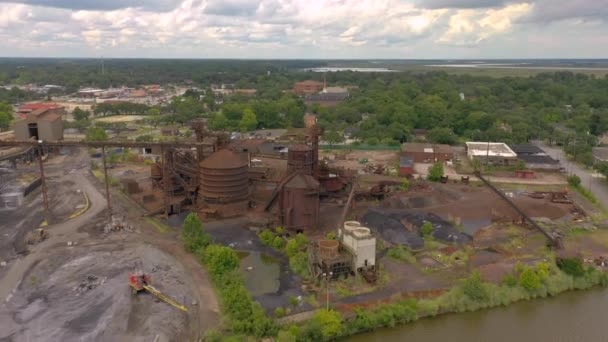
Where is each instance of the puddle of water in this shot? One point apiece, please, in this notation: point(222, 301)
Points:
point(261, 272)
point(472, 226)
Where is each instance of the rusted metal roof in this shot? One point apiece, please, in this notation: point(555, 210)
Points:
point(303, 181)
point(224, 159)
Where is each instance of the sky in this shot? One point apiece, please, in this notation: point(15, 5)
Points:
point(320, 29)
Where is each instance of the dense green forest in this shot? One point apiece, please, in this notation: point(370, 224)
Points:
point(563, 107)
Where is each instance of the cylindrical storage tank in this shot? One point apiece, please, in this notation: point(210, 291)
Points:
point(156, 171)
point(300, 158)
point(351, 225)
point(224, 177)
point(300, 203)
point(328, 249)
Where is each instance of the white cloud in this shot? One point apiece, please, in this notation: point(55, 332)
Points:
point(271, 28)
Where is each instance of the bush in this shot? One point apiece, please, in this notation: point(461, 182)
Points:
point(401, 253)
point(278, 243)
point(279, 312)
point(266, 237)
point(193, 234)
point(571, 266)
point(295, 245)
point(220, 260)
point(509, 280)
point(473, 288)
point(329, 322)
point(299, 264)
point(427, 229)
point(574, 181)
point(405, 184)
point(529, 279)
point(435, 172)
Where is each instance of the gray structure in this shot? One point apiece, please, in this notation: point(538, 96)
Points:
point(43, 124)
point(534, 157)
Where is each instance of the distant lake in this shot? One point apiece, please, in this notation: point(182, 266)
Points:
point(328, 69)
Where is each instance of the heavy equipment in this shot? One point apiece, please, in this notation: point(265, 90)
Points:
point(140, 281)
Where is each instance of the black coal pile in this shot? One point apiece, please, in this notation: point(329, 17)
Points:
point(391, 226)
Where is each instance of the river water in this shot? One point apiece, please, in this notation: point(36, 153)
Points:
point(569, 317)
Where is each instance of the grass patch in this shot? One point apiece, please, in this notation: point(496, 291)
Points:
point(402, 254)
point(161, 227)
point(587, 194)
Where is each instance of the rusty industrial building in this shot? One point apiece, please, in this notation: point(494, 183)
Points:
point(41, 124)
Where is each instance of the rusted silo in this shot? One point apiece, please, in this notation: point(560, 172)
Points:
point(224, 183)
point(300, 203)
point(300, 158)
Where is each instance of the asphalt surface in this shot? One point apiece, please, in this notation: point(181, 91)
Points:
point(598, 186)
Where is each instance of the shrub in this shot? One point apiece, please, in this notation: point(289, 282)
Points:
point(435, 172)
point(299, 264)
point(473, 288)
point(401, 253)
point(405, 184)
point(509, 280)
point(286, 336)
point(279, 312)
point(295, 245)
point(427, 229)
point(331, 236)
point(266, 237)
point(571, 266)
point(574, 181)
point(529, 279)
point(278, 243)
point(193, 234)
point(329, 322)
point(220, 260)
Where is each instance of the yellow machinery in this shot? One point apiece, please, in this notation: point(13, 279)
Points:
point(140, 281)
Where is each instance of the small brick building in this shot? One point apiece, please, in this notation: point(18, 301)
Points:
point(427, 153)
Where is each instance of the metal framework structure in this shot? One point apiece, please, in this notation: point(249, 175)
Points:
point(182, 171)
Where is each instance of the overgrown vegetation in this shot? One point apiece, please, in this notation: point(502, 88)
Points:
point(401, 253)
point(242, 314)
point(294, 248)
point(575, 182)
point(435, 172)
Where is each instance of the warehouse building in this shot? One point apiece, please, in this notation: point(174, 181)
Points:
point(491, 153)
point(427, 153)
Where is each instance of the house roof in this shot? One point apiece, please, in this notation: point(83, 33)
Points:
point(537, 159)
point(309, 82)
point(426, 148)
point(493, 149)
point(526, 149)
point(37, 106)
point(50, 117)
point(327, 97)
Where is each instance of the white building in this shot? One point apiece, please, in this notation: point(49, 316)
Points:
point(491, 153)
point(360, 243)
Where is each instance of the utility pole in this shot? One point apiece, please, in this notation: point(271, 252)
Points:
point(105, 175)
point(327, 276)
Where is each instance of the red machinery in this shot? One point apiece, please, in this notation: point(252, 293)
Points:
point(140, 281)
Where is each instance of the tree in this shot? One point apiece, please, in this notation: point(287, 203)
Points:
point(96, 134)
point(442, 135)
point(193, 235)
point(435, 172)
point(6, 115)
point(220, 259)
point(249, 121)
point(333, 137)
point(154, 117)
point(219, 122)
point(80, 114)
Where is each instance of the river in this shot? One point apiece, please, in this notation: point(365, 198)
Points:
point(569, 317)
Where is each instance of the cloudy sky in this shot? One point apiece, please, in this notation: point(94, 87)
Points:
point(305, 28)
